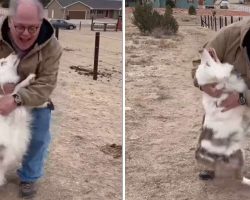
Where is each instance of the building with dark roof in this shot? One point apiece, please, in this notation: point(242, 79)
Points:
point(84, 9)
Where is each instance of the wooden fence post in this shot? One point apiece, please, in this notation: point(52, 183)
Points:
point(215, 24)
point(225, 20)
point(80, 26)
point(208, 21)
point(97, 42)
point(232, 19)
point(92, 23)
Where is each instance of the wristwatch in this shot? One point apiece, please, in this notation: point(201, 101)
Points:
point(242, 99)
point(17, 99)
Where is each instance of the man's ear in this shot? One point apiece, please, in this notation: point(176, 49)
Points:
point(9, 22)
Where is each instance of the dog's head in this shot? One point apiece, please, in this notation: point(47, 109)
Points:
point(9, 63)
point(211, 70)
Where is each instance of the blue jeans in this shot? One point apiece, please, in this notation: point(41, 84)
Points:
point(33, 162)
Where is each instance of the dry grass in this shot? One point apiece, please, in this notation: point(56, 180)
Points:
point(130, 49)
point(136, 41)
point(142, 61)
point(151, 42)
point(134, 56)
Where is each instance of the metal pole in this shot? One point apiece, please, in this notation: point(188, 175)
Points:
point(220, 22)
point(80, 26)
point(57, 32)
point(225, 20)
point(97, 42)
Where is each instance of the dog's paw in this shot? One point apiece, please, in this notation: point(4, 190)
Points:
point(31, 78)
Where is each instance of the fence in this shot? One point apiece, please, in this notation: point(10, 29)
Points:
point(100, 55)
point(216, 23)
point(106, 25)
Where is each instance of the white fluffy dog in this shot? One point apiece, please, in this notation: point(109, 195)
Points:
point(223, 133)
point(14, 128)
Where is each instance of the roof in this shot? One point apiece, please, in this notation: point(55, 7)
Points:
point(93, 4)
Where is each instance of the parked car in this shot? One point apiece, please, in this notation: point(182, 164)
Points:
point(224, 4)
point(60, 23)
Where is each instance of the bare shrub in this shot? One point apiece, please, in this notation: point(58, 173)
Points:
point(148, 20)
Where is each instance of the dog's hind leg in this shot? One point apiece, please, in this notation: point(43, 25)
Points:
point(2, 165)
point(2, 174)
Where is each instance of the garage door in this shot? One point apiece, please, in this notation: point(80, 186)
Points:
point(77, 14)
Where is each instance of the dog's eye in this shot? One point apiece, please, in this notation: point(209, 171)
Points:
point(3, 63)
point(207, 64)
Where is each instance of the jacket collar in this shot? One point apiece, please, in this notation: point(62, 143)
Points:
point(245, 35)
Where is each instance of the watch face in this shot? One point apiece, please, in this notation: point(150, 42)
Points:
point(17, 99)
point(242, 101)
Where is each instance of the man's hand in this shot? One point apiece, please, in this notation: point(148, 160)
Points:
point(211, 90)
point(231, 101)
point(8, 88)
point(7, 105)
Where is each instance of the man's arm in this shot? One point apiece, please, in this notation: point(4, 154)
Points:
point(39, 91)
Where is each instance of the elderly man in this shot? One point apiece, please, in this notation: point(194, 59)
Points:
point(26, 32)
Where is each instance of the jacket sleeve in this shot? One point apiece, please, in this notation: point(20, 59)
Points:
point(219, 42)
point(39, 91)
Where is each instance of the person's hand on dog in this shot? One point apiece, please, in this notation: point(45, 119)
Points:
point(7, 105)
point(211, 90)
point(230, 102)
point(8, 88)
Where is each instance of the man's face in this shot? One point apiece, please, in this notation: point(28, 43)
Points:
point(25, 26)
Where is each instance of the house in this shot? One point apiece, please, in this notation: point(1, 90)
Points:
point(84, 9)
point(155, 3)
point(162, 3)
point(186, 3)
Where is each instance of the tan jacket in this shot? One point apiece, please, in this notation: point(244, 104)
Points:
point(230, 46)
point(43, 60)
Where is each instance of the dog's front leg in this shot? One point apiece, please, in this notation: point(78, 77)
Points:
point(222, 98)
point(24, 83)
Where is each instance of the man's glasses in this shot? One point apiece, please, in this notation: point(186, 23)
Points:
point(31, 29)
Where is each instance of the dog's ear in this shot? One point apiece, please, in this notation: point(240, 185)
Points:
point(213, 54)
point(206, 58)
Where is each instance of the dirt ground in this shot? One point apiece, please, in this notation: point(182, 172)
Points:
point(163, 118)
point(85, 156)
